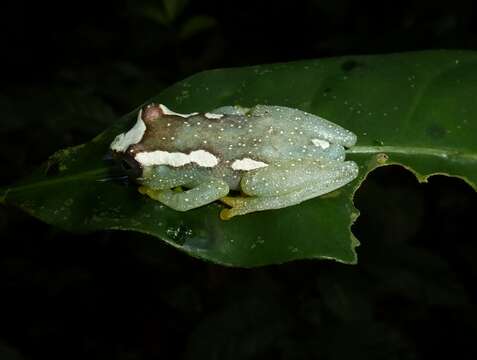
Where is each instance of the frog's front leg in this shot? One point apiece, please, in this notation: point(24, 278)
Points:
point(201, 193)
point(288, 183)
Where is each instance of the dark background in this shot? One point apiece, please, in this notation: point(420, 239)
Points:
point(70, 69)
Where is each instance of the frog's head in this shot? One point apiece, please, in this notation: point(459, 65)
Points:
point(147, 135)
point(124, 142)
point(123, 146)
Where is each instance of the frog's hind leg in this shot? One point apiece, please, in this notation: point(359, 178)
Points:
point(288, 183)
point(200, 194)
point(313, 125)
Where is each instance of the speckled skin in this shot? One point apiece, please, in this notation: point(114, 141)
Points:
point(282, 138)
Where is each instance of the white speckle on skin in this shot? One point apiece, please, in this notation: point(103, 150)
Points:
point(247, 164)
point(213, 116)
point(321, 143)
point(167, 111)
point(133, 136)
point(200, 157)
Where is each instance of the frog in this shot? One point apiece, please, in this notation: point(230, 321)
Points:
point(269, 156)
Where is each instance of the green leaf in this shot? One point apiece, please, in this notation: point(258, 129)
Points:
point(414, 109)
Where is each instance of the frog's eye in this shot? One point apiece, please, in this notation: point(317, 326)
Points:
point(130, 166)
point(151, 112)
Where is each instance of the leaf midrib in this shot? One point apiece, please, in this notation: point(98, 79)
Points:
point(442, 153)
point(103, 171)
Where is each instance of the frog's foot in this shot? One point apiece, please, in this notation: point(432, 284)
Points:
point(230, 200)
point(237, 204)
point(241, 205)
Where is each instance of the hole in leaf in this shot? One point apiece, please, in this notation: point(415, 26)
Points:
point(395, 207)
point(391, 206)
point(418, 247)
point(409, 223)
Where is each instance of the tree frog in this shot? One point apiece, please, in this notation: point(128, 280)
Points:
point(275, 156)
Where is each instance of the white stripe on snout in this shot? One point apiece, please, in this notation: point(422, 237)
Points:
point(133, 136)
point(247, 164)
point(159, 157)
point(321, 143)
point(167, 111)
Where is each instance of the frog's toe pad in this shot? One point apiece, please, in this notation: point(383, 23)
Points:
point(229, 200)
point(226, 214)
point(236, 203)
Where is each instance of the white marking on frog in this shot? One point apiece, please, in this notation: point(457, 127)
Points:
point(321, 143)
point(213, 116)
point(247, 164)
point(133, 136)
point(159, 157)
point(167, 111)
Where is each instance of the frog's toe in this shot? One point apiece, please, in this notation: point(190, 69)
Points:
point(232, 201)
point(226, 214)
point(237, 205)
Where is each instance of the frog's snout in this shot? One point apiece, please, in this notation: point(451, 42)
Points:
point(129, 165)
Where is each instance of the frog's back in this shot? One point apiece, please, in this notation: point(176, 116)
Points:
point(233, 136)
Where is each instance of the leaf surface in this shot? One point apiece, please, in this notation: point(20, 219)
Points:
point(414, 109)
